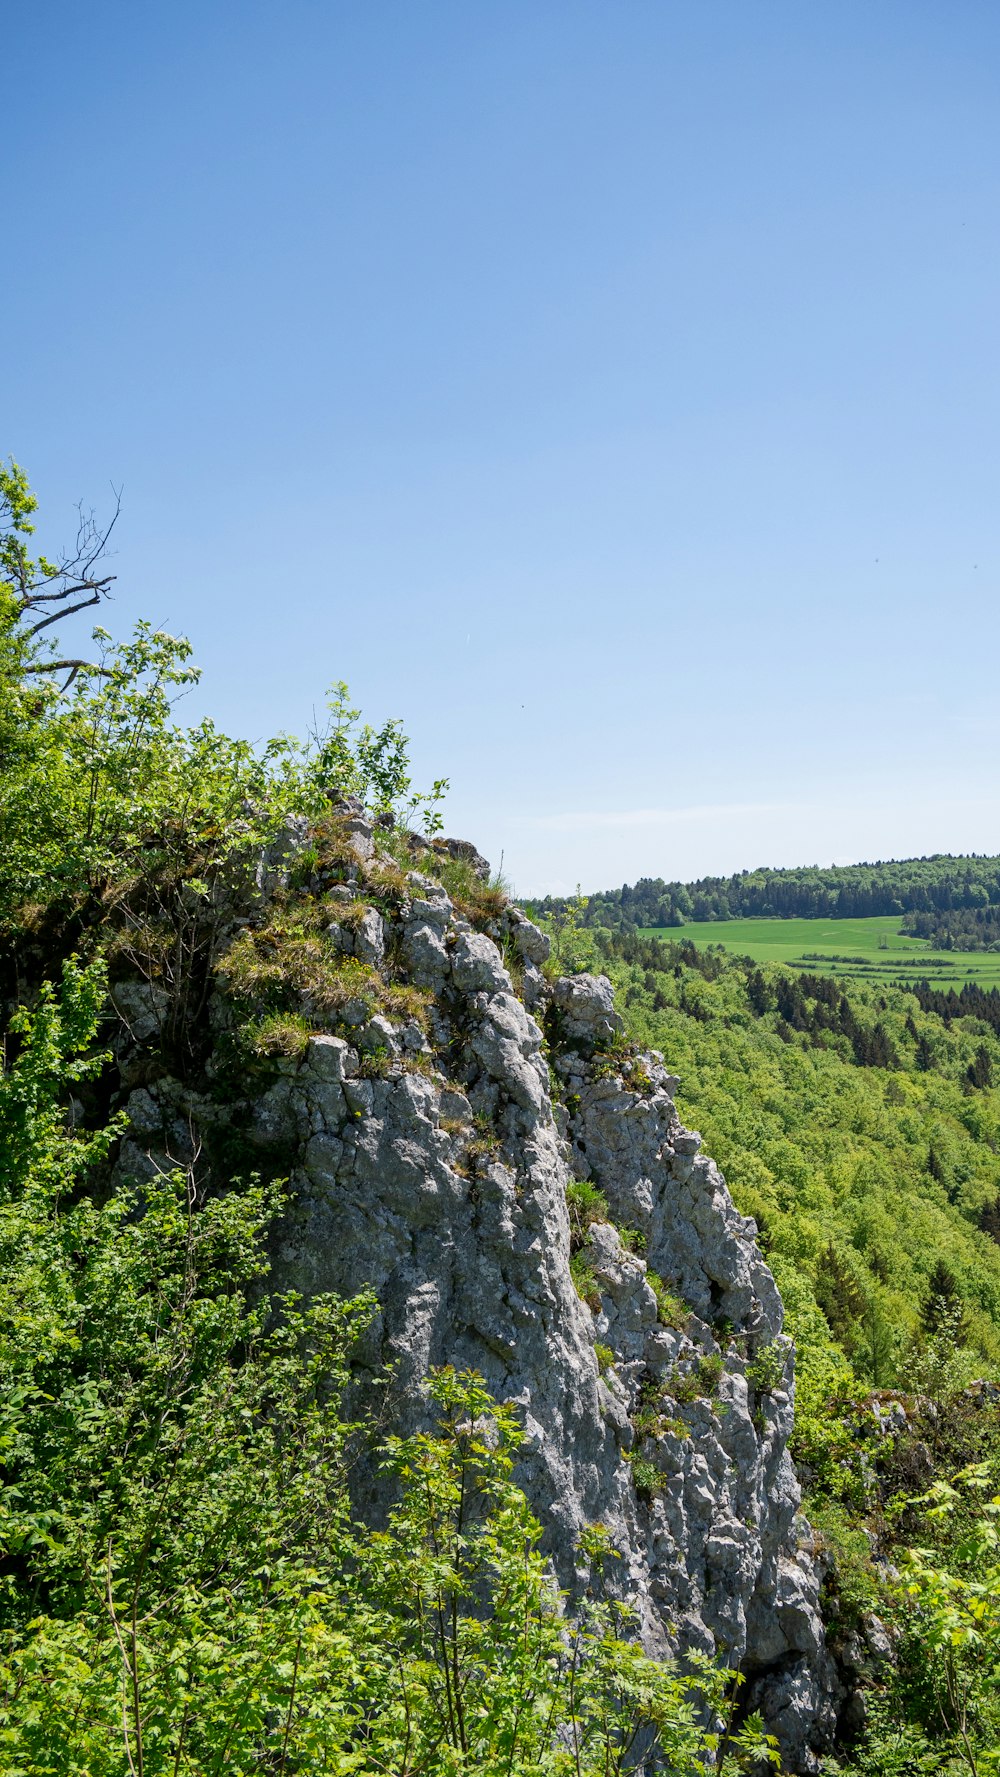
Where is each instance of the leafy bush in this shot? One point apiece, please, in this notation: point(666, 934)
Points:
point(767, 1371)
point(647, 1478)
point(586, 1204)
point(671, 1310)
point(585, 1281)
point(183, 1589)
point(701, 1380)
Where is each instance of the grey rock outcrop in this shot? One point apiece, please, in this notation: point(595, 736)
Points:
point(436, 1163)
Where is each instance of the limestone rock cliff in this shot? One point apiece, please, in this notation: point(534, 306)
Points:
point(437, 1158)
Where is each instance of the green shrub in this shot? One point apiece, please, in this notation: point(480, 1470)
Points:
point(584, 1281)
point(586, 1204)
point(767, 1371)
point(671, 1311)
point(700, 1381)
point(647, 1478)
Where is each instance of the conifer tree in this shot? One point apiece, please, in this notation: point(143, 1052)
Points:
point(943, 1308)
point(980, 1070)
point(840, 1297)
point(758, 993)
point(989, 1219)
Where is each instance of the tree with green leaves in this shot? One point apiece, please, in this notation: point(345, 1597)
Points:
point(183, 1588)
point(36, 593)
point(840, 1296)
point(943, 1307)
point(954, 1618)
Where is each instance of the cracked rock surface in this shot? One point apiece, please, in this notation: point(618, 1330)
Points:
point(435, 1168)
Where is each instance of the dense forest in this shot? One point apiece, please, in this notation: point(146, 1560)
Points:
point(957, 928)
point(934, 885)
point(860, 1127)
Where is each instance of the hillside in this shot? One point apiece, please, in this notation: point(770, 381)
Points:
point(860, 1127)
point(929, 885)
point(843, 1117)
point(389, 1378)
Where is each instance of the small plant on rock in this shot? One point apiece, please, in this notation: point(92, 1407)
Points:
point(283, 1033)
point(587, 1205)
point(633, 1240)
point(767, 1372)
point(695, 1384)
point(647, 1477)
point(585, 1281)
point(671, 1310)
point(485, 1144)
point(375, 1063)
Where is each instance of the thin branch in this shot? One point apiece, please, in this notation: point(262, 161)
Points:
point(57, 616)
point(80, 584)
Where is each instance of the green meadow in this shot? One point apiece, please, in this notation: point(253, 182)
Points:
point(865, 949)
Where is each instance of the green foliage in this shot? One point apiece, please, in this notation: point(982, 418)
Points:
point(586, 1204)
point(584, 1280)
point(478, 899)
point(956, 1617)
point(648, 1480)
point(942, 1306)
point(650, 1420)
point(565, 922)
point(279, 1033)
point(831, 1163)
point(101, 790)
point(671, 1309)
point(699, 1381)
point(171, 1454)
point(112, 791)
point(182, 1589)
point(354, 759)
point(766, 1372)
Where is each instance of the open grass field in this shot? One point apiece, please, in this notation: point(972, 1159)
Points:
point(863, 949)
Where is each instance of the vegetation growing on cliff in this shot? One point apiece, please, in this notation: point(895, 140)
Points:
point(182, 1587)
point(861, 1129)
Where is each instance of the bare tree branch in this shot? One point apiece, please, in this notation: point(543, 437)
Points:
point(74, 573)
point(45, 598)
point(57, 616)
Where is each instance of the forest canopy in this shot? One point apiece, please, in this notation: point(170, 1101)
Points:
point(933, 885)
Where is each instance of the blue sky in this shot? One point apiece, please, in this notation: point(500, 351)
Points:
point(609, 390)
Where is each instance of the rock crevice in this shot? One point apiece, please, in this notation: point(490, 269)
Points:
point(441, 1166)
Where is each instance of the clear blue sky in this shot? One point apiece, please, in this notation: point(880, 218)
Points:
point(610, 390)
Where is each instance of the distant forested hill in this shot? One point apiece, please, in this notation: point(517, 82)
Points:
point(957, 928)
point(859, 1125)
point(934, 885)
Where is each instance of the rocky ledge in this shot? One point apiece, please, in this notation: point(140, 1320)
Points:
point(514, 1183)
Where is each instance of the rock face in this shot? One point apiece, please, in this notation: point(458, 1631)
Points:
point(439, 1162)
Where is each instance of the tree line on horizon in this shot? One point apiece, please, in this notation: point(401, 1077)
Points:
point(939, 887)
